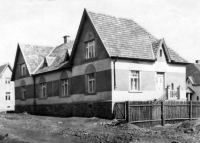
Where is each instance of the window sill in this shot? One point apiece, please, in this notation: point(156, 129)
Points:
point(42, 98)
point(90, 59)
point(64, 96)
point(135, 91)
point(23, 99)
point(93, 93)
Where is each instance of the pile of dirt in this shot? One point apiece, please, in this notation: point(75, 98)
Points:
point(189, 126)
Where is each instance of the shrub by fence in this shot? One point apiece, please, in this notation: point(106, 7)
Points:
point(160, 112)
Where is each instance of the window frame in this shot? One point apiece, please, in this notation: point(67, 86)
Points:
point(64, 86)
point(23, 92)
point(43, 89)
point(92, 81)
point(7, 81)
point(22, 69)
point(90, 47)
point(139, 89)
point(161, 52)
point(8, 96)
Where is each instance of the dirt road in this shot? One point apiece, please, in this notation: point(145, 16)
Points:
point(25, 128)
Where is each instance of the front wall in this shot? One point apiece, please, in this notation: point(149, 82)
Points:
point(148, 70)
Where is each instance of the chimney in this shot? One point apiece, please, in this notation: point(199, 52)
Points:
point(66, 39)
point(198, 61)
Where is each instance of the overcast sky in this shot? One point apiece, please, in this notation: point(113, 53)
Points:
point(45, 22)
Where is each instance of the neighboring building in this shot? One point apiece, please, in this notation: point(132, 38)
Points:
point(7, 93)
point(112, 59)
point(193, 81)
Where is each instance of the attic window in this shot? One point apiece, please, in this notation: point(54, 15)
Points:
point(160, 53)
point(22, 69)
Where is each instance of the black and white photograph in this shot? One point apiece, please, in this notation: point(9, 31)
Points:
point(99, 71)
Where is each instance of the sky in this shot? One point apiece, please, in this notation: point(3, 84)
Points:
point(45, 22)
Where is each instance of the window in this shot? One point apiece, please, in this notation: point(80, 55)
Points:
point(7, 81)
point(90, 49)
point(172, 86)
point(43, 89)
point(65, 87)
point(197, 98)
point(160, 53)
point(7, 96)
point(134, 81)
point(23, 92)
point(91, 82)
point(22, 69)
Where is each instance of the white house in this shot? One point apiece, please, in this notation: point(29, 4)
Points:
point(7, 94)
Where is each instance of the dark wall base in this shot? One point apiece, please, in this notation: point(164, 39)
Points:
point(96, 109)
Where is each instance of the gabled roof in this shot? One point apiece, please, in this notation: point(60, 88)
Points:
point(193, 73)
point(124, 38)
point(56, 59)
point(34, 55)
point(3, 68)
point(189, 90)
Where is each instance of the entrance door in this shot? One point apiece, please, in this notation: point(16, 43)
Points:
point(160, 82)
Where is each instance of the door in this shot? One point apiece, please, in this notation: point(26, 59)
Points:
point(160, 81)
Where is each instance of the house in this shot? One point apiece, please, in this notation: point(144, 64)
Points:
point(193, 81)
point(7, 98)
point(111, 60)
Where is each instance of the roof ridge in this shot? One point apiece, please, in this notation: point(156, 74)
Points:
point(23, 44)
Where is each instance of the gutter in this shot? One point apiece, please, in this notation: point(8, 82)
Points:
point(115, 73)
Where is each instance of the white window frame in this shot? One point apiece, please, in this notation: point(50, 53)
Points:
point(43, 90)
point(65, 87)
point(90, 49)
point(22, 69)
point(91, 83)
point(7, 97)
point(23, 91)
point(131, 78)
point(7, 81)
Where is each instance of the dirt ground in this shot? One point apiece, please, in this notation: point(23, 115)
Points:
point(25, 128)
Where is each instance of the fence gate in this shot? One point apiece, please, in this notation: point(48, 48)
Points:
point(120, 110)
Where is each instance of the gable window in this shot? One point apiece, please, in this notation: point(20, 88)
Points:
point(91, 81)
point(160, 53)
point(23, 92)
point(65, 87)
point(134, 81)
point(22, 69)
point(90, 49)
point(7, 81)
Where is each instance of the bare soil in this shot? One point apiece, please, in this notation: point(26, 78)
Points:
point(25, 128)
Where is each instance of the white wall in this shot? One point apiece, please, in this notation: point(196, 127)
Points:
point(7, 105)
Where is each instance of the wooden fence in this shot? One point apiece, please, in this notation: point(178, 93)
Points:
point(163, 111)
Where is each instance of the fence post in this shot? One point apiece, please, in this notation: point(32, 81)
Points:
point(162, 114)
point(190, 114)
point(127, 111)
